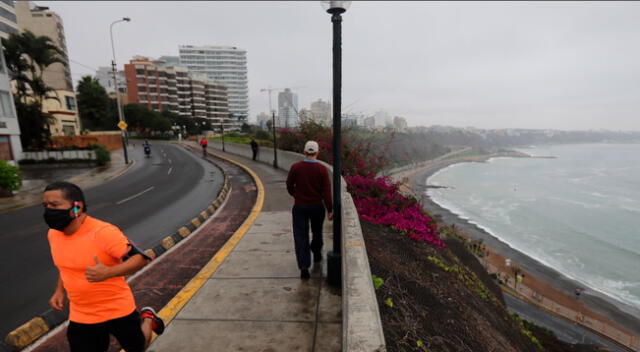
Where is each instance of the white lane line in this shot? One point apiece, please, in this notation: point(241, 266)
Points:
point(169, 173)
point(169, 161)
point(135, 195)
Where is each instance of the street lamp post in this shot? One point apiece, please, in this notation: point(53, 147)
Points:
point(222, 131)
point(117, 89)
point(334, 257)
point(275, 152)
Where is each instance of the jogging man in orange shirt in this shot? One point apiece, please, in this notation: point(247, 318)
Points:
point(93, 258)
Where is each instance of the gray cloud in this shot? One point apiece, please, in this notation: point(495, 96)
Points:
point(566, 65)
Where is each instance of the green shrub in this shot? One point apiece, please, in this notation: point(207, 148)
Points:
point(9, 176)
point(103, 156)
point(262, 134)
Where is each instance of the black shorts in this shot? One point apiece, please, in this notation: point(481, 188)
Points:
point(95, 337)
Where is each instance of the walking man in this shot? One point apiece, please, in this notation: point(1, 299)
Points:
point(308, 183)
point(254, 148)
point(92, 258)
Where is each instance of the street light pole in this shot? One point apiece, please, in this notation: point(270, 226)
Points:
point(275, 144)
point(117, 90)
point(222, 131)
point(334, 257)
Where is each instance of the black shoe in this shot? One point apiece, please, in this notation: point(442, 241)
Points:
point(304, 274)
point(317, 258)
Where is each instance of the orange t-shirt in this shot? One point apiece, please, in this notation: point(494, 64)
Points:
point(92, 302)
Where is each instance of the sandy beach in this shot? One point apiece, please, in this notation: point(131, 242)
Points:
point(540, 277)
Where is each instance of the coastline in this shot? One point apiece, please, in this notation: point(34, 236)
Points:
point(546, 279)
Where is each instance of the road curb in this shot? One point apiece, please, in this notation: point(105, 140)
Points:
point(39, 326)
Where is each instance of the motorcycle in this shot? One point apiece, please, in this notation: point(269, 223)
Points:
point(147, 151)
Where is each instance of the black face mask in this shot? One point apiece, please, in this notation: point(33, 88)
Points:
point(57, 219)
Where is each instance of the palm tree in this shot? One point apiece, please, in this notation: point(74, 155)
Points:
point(27, 56)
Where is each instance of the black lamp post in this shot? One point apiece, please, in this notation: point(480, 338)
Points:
point(273, 125)
point(222, 131)
point(334, 257)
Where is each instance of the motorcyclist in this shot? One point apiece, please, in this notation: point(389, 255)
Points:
point(147, 147)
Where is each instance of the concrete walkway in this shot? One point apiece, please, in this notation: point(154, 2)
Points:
point(255, 300)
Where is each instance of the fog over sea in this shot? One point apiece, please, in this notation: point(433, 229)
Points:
point(578, 213)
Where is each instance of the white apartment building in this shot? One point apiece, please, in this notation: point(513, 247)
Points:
point(226, 65)
point(104, 75)
point(321, 112)
point(8, 20)
point(10, 145)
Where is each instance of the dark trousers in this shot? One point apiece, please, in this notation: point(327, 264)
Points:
point(302, 216)
point(255, 153)
point(95, 337)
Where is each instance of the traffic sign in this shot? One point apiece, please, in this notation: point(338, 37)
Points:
point(123, 125)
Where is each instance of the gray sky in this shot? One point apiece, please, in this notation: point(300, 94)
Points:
point(562, 65)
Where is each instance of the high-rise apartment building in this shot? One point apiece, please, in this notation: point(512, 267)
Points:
point(226, 65)
point(41, 21)
point(161, 87)
point(8, 21)
point(10, 146)
point(287, 109)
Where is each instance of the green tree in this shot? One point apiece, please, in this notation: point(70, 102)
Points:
point(27, 56)
point(94, 105)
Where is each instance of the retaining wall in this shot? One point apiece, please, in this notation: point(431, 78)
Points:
point(361, 324)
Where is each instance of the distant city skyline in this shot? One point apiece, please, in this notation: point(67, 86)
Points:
point(544, 65)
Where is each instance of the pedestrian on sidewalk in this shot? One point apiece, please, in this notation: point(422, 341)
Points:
point(204, 143)
point(92, 258)
point(254, 148)
point(308, 183)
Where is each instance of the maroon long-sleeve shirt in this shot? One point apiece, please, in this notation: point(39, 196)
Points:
point(308, 183)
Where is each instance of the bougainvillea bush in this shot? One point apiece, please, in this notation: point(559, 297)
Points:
point(379, 201)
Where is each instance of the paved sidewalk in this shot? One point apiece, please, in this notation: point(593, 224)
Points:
point(255, 301)
point(93, 177)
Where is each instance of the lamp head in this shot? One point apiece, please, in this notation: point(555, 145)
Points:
point(127, 19)
point(335, 7)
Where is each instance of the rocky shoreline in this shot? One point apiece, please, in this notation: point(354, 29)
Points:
point(623, 315)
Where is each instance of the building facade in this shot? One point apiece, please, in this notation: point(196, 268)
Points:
point(160, 87)
point(321, 112)
point(104, 75)
point(287, 109)
point(10, 145)
point(8, 20)
point(41, 21)
point(226, 65)
point(64, 111)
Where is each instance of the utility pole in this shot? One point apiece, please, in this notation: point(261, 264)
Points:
point(115, 82)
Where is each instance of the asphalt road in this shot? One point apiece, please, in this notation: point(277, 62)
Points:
point(152, 200)
point(564, 330)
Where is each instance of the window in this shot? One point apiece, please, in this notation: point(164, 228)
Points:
point(5, 105)
point(71, 103)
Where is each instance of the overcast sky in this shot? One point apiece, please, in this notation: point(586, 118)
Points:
point(561, 65)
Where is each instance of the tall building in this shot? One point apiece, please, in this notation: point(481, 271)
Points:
point(8, 21)
point(41, 21)
point(321, 112)
point(262, 119)
point(10, 146)
point(383, 118)
point(104, 75)
point(66, 121)
point(226, 65)
point(160, 87)
point(287, 109)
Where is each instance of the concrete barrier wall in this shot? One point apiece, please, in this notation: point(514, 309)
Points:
point(60, 155)
point(361, 324)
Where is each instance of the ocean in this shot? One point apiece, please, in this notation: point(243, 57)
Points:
point(578, 213)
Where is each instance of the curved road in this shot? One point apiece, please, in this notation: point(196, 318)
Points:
point(152, 200)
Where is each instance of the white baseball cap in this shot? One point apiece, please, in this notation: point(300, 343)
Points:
point(311, 147)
